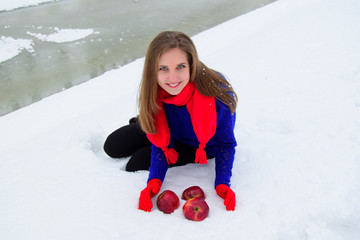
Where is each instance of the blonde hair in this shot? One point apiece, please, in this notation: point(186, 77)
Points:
point(209, 82)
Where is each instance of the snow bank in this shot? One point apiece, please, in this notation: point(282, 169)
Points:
point(7, 5)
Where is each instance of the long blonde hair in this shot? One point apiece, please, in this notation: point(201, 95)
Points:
point(209, 82)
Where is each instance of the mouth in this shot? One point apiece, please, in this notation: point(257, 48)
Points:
point(173, 85)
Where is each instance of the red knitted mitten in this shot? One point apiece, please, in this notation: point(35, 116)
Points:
point(152, 188)
point(228, 195)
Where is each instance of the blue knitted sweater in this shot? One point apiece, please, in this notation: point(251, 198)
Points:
point(221, 145)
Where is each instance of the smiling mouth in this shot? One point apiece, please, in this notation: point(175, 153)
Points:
point(173, 85)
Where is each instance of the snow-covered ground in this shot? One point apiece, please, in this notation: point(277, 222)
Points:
point(295, 67)
point(8, 5)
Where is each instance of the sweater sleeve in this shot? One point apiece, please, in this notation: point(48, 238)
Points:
point(159, 166)
point(225, 142)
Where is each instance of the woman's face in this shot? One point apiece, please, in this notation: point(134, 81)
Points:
point(173, 71)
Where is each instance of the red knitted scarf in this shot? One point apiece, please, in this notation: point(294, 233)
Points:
point(202, 112)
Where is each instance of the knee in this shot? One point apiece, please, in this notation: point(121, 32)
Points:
point(140, 160)
point(125, 141)
point(109, 147)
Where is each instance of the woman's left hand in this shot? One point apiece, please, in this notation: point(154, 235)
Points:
point(228, 195)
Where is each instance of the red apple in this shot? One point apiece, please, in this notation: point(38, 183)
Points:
point(196, 209)
point(167, 201)
point(193, 192)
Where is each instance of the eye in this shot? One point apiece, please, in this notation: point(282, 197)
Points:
point(181, 66)
point(162, 68)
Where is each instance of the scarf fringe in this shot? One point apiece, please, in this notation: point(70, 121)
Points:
point(171, 155)
point(200, 155)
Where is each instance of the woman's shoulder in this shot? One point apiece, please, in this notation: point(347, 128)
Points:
point(221, 107)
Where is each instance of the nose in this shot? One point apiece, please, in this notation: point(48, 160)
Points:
point(173, 76)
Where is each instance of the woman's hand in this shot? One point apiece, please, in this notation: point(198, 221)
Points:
point(152, 188)
point(228, 195)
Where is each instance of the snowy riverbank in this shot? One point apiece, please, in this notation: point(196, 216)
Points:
point(8, 5)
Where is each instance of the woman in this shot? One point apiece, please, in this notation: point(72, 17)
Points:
point(186, 115)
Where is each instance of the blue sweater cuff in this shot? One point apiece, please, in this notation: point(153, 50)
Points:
point(159, 166)
point(224, 163)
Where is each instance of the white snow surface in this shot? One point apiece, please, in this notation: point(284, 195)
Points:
point(10, 47)
point(8, 5)
point(63, 35)
point(295, 65)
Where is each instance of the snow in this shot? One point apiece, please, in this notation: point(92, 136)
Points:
point(10, 47)
point(8, 5)
point(63, 35)
point(295, 67)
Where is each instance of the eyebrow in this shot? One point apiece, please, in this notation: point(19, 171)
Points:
point(162, 65)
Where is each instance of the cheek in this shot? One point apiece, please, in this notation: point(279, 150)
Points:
point(160, 78)
point(186, 75)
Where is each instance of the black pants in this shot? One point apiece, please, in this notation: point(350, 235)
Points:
point(130, 140)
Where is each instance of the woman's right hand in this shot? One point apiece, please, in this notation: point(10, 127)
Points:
point(152, 188)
